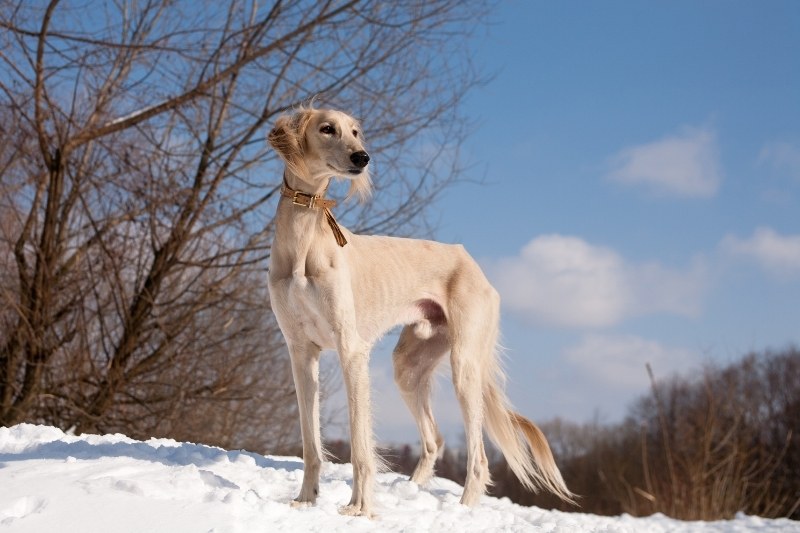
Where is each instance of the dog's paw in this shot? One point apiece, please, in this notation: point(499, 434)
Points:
point(355, 510)
point(298, 504)
point(307, 496)
point(421, 478)
point(305, 500)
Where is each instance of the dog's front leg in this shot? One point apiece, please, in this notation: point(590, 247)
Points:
point(354, 357)
point(305, 370)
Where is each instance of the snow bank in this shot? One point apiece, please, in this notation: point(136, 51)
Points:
point(50, 481)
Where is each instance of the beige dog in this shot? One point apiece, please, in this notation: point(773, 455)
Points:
point(331, 289)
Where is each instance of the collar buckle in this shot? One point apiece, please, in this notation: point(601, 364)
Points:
point(303, 199)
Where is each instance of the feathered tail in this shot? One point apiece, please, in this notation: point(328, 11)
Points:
point(522, 443)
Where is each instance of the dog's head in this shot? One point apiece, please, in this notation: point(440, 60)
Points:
point(318, 144)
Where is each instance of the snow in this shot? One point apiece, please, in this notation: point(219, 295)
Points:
point(51, 481)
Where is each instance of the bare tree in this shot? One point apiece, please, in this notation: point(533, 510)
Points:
point(135, 193)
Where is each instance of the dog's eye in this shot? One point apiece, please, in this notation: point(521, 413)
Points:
point(327, 129)
point(355, 133)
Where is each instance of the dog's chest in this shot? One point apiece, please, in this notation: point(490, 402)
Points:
point(304, 313)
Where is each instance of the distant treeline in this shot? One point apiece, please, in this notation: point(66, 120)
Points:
point(696, 448)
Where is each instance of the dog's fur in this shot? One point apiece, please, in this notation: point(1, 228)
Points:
point(345, 298)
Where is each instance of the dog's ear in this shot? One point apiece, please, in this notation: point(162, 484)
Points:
point(288, 138)
point(283, 138)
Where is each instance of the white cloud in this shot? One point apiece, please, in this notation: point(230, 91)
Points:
point(620, 360)
point(778, 254)
point(783, 157)
point(565, 281)
point(681, 165)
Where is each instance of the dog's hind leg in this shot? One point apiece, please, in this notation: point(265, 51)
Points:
point(415, 359)
point(468, 384)
point(474, 331)
point(305, 369)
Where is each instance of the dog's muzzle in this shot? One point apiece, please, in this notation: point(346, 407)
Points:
point(360, 158)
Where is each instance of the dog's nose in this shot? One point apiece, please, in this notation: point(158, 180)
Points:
point(360, 158)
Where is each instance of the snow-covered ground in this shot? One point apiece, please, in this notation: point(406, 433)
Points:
point(51, 482)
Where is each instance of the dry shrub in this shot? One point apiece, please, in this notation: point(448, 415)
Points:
point(722, 444)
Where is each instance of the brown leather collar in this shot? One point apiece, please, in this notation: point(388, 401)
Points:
point(304, 199)
point(315, 201)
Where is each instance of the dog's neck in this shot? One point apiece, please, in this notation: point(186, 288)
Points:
point(303, 200)
point(314, 187)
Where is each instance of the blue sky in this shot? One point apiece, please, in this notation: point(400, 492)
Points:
point(640, 199)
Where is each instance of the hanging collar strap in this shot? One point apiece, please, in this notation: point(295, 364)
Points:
point(315, 201)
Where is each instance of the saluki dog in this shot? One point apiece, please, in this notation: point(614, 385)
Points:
point(331, 289)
